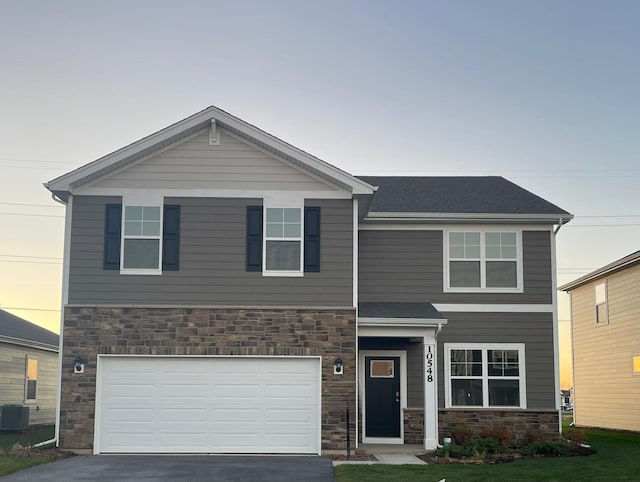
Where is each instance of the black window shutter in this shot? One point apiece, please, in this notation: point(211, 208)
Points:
point(171, 238)
point(312, 239)
point(112, 227)
point(254, 238)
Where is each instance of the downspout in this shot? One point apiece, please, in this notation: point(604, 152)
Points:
point(55, 437)
point(556, 342)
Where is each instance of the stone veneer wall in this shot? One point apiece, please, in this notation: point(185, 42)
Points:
point(89, 331)
point(414, 426)
point(518, 422)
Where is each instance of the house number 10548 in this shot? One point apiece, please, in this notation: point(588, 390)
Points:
point(429, 363)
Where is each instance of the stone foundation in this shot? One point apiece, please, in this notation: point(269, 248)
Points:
point(518, 422)
point(414, 426)
point(89, 331)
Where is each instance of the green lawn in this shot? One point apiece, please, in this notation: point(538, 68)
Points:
point(35, 434)
point(618, 459)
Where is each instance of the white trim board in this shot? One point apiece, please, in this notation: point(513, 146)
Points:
point(441, 227)
point(495, 307)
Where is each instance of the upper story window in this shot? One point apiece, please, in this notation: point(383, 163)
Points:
point(602, 307)
point(31, 379)
point(485, 375)
point(483, 261)
point(141, 238)
point(141, 241)
point(283, 240)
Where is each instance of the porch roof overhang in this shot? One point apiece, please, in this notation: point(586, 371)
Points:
point(398, 318)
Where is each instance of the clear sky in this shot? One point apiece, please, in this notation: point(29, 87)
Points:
point(545, 93)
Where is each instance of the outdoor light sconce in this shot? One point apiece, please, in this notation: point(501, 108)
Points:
point(338, 367)
point(78, 366)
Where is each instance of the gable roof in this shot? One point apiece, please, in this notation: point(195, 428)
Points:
point(463, 196)
point(22, 332)
point(620, 264)
point(62, 186)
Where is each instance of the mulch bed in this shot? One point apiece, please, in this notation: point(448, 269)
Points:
point(31, 453)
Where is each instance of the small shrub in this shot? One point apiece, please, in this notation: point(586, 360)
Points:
point(534, 435)
point(547, 448)
point(499, 433)
point(461, 435)
point(488, 446)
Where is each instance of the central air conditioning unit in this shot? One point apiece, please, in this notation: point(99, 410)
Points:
point(14, 417)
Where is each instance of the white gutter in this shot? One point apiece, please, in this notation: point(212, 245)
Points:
point(556, 343)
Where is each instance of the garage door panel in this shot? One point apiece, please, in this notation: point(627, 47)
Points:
point(208, 405)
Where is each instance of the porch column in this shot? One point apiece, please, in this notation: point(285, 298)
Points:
point(430, 392)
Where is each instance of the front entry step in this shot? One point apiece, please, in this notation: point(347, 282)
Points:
point(406, 449)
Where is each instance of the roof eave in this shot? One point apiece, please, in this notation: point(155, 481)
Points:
point(469, 217)
point(65, 183)
point(28, 343)
point(601, 273)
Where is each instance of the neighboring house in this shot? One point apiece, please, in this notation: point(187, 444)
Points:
point(28, 367)
point(566, 399)
point(229, 292)
point(605, 334)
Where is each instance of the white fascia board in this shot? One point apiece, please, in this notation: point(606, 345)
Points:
point(424, 225)
point(227, 193)
point(598, 274)
point(63, 183)
point(402, 322)
point(493, 308)
point(466, 217)
point(28, 343)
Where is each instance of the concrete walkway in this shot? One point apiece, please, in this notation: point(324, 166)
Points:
point(389, 459)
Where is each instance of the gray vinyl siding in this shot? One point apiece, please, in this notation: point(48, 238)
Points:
point(42, 410)
point(212, 260)
point(535, 330)
point(408, 265)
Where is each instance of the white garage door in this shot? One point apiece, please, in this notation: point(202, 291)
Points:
point(208, 405)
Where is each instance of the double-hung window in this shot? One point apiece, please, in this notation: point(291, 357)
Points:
point(142, 238)
point(602, 308)
point(283, 251)
point(487, 376)
point(483, 261)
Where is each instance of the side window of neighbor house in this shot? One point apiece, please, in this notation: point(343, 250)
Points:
point(602, 307)
point(479, 261)
point(485, 376)
point(31, 381)
point(636, 365)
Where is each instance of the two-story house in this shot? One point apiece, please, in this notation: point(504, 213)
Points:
point(605, 337)
point(225, 291)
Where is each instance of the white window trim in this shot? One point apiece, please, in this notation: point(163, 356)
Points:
point(485, 373)
point(282, 273)
point(483, 260)
point(145, 200)
point(605, 303)
point(402, 354)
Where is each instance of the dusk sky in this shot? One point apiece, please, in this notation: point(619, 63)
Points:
point(544, 93)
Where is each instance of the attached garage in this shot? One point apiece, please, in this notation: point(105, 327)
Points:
point(173, 404)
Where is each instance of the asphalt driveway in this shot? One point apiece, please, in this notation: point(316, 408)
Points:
point(181, 468)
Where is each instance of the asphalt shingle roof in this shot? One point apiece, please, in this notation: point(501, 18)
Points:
point(477, 195)
point(14, 327)
point(390, 309)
